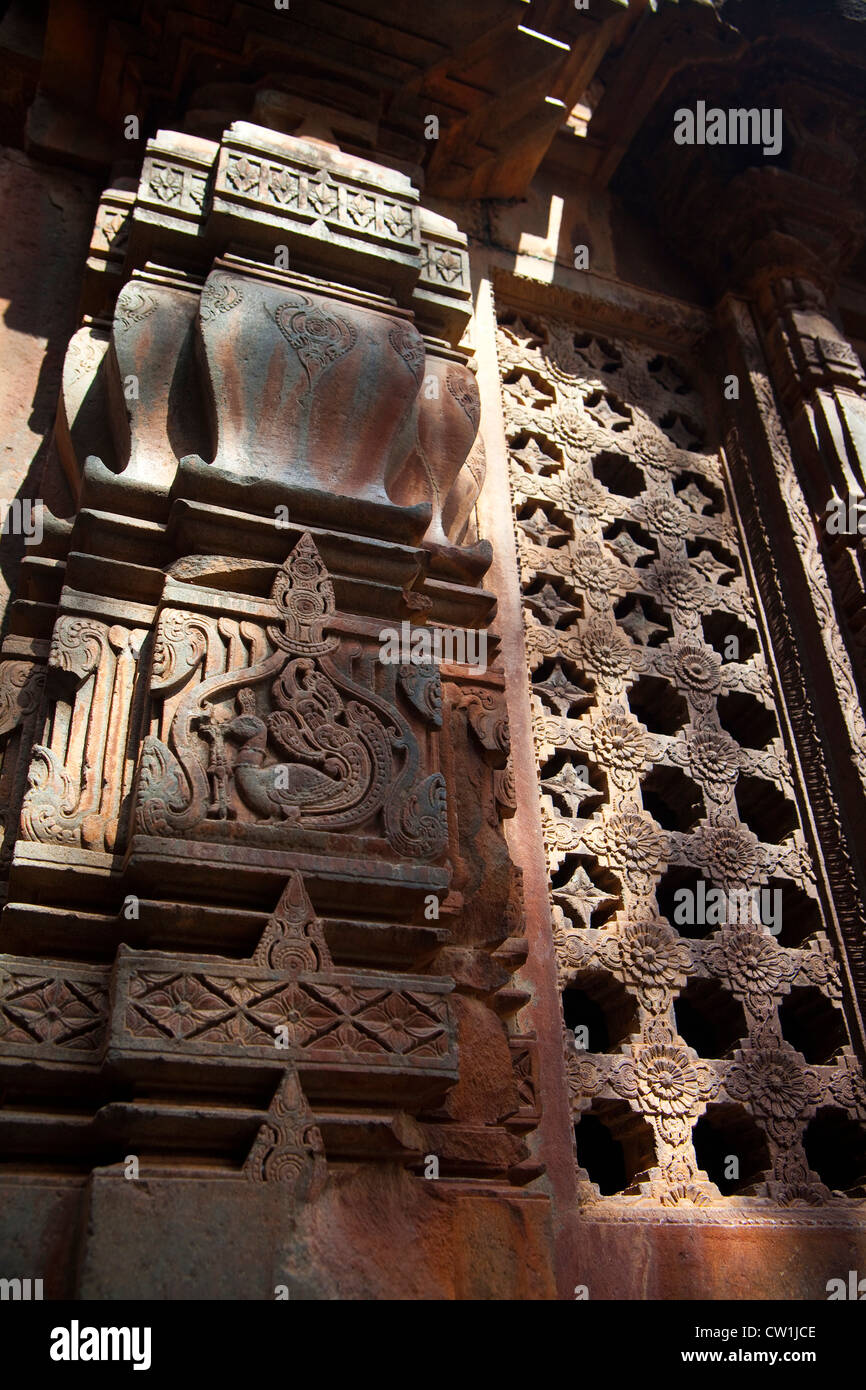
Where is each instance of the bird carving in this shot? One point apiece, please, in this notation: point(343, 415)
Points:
point(279, 790)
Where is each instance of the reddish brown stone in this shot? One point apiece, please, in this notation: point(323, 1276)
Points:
point(296, 922)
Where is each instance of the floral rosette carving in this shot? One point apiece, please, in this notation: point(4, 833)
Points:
point(632, 843)
point(664, 1081)
point(574, 427)
point(176, 1008)
point(621, 746)
point(67, 1013)
point(694, 668)
point(679, 586)
point(730, 853)
point(400, 1025)
point(652, 446)
point(650, 958)
point(586, 494)
point(607, 654)
point(593, 573)
point(713, 759)
point(778, 1088)
point(399, 219)
point(576, 386)
point(666, 517)
point(756, 969)
point(283, 185)
point(361, 209)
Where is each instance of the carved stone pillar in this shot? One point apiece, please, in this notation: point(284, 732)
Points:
point(262, 921)
point(822, 388)
point(795, 437)
point(787, 234)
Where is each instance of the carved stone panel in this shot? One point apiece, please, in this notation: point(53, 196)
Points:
point(78, 775)
point(263, 924)
point(273, 733)
point(288, 366)
point(689, 927)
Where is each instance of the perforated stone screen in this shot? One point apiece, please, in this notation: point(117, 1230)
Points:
point(706, 1045)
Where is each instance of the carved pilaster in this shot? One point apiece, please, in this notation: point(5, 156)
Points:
point(276, 826)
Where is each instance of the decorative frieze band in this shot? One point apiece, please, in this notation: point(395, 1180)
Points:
point(182, 1007)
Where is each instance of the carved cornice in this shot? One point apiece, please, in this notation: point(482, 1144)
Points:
point(602, 303)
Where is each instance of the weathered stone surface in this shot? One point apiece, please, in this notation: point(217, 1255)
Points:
point(454, 1244)
point(701, 1261)
point(215, 751)
point(341, 943)
point(45, 229)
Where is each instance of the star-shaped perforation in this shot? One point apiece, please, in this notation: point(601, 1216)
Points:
point(681, 432)
point(694, 499)
point(540, 529)
point(598, 353)
point(561, 693)
point(627, 549)
point(520, 332)
point(711, 568)
point(550, 607)
point(571, 785)
point(669, 378)
point(580, 897)
point(639, 626)
point(533, 458)
point(526, 393)
point(606, 411)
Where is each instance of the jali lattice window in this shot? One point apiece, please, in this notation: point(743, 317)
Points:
point(707, 1051)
